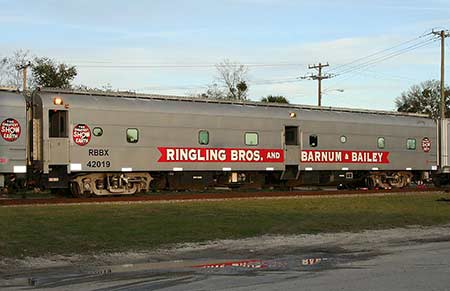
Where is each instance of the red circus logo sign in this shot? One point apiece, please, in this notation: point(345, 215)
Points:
point(10, 130)
point(426, 144)
point(81, 134)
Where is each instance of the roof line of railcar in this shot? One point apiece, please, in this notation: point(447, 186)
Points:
point(221, 101)
point(9, 89)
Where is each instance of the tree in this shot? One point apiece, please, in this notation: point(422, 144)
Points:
point(423, 98)
point(108, 88)
point(9, 74)
point(230, 82)
point(214, 91)
point(47, 73)
point(233, 78)
point(275, 99)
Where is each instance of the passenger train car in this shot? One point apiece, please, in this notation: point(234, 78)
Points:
point(106, 144)
point(13, 140)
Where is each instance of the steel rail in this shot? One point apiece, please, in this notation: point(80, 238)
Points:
point(174, 197)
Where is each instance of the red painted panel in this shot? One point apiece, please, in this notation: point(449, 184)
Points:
point(219, 155)
point(344, 157)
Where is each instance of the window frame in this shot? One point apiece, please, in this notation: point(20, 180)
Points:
point(58, 123)
point(317, 140)
point(248, 133)
point(378, 142)
point(199, 139)
point(137, 131)
point(412, 140)
point(294, 131)
point(97, 135)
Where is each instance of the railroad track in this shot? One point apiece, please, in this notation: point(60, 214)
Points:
point(213, 196)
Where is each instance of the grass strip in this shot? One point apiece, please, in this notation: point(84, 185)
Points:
point(87, 229)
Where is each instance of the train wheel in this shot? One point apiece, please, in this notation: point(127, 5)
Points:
point(370, 182)
point(400, 180)
point(4, 191)
point(75, 190)
point(437, 182)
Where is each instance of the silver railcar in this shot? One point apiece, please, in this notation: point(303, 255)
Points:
point(105, 144)
point(13, 138)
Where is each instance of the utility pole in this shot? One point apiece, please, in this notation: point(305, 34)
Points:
point(24, 69)
point(442, 34)
point(319, 77)
point(443, 151)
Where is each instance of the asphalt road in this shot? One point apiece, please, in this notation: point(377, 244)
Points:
point(419, 267)
point(412, 264)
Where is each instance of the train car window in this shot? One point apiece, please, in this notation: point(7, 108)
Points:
point(313, 141)
point(291, 135)
point(203, 137)
point(381, 143)
point(97, 131)
point(132, 135)
point(251, 138)
point(58, 123)
point(411, 143)
point(343, 139)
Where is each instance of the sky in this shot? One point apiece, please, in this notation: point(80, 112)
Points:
point(171, 47)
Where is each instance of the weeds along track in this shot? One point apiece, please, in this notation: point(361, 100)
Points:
point(196, 196)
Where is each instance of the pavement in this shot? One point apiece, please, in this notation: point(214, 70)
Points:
point(398, 259)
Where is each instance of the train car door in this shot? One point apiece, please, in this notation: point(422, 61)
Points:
point(443, 149)
point(58, 137)
point(292, 152)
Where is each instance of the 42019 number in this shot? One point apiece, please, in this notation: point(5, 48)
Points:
point(98, 164)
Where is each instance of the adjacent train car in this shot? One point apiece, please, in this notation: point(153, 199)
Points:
point(103, 144)
point(13, 138)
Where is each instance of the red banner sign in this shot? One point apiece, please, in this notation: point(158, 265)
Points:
point(81, 134)
point(220, 155)
point(3, 160)
point(10, 130)
point(344, 157)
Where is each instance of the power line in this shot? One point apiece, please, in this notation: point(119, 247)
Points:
point(382, 51)
point(372, 74)
point(384, 58)
point(260, 82)
point(377, 76)
point(385, 76)
point(350, 68)
point(274, 81)
point(159, 88)
point(174, 66)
